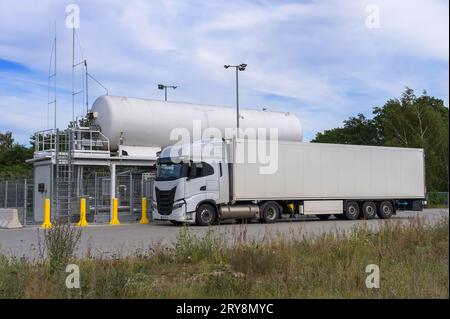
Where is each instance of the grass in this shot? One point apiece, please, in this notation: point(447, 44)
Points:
point(413, 262)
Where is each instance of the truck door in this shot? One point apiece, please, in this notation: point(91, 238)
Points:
point(212, 175)
point(195, 189)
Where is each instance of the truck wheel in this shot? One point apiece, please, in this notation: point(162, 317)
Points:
point(323, 216)
point(205, 215)
point(369, 210)
point(385, 210)
point(270, 212)
point(351, 211)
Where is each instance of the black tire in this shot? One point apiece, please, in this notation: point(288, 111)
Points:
point(323, 216)
point(385, 210)
point(369, 210)
point(351, 211)
point(270, 211)
point(205, 215)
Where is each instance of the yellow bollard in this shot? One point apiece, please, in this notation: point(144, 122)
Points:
point(115, 213)
point(144, 218)
point(83, 222)
point(47, 223)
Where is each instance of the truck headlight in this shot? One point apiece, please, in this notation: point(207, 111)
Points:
point(178, 204)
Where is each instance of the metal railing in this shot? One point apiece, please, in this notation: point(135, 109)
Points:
point(84, 141)
point(90, 141)
point(45, 141)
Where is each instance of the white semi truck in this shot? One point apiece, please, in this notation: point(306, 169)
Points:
point(347, 181)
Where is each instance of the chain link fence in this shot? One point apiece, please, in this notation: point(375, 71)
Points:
point(131, 187)
point(18, 194)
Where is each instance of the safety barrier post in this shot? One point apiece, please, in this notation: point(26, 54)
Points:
point(115, 213)
point(83, 222)
point(144, 218)
point(47, 223)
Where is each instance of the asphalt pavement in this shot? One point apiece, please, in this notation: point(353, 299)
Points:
point(126, 239)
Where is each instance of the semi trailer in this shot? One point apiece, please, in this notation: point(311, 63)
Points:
point(348, 181)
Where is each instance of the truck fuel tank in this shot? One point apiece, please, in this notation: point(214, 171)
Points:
point(238, 211)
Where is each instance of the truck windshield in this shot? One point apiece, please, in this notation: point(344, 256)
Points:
point(170, 171)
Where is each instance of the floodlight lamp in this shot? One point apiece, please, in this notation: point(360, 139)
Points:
point(160, 86)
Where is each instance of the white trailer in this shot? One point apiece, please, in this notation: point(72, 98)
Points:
point(348, 181)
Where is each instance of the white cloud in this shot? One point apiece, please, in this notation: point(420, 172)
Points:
point(314, 55)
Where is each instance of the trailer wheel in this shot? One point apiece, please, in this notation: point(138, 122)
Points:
point(270, 211)
point(323, 216)
point(385, 210)
point(369, 210)
point(205, 215)
point(351, 211)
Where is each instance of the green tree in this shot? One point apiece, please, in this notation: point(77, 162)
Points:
point(357, 130)
point(6, 141)
point(13, 157)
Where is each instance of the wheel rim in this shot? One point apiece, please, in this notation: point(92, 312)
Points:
point(206, 216)
point(386, 210)
point(352, 210)
point(370, 210)
point(271, 213)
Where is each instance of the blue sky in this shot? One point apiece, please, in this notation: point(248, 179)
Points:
point(317, 59)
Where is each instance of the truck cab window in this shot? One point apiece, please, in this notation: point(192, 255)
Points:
point(201, 170)
point(207, 169)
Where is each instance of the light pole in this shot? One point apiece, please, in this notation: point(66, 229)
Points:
point(240, 67)
point(164, 87)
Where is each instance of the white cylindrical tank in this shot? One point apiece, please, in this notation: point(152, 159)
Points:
point(142, 122)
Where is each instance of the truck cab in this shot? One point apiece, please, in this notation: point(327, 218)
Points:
point(187, 177)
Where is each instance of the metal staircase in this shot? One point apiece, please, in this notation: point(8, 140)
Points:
point(64, 175)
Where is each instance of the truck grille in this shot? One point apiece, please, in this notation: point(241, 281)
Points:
point(164, 200)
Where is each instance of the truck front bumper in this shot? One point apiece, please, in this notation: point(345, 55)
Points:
point(178, 215)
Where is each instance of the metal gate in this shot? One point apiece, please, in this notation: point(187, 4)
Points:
point(131, 186)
